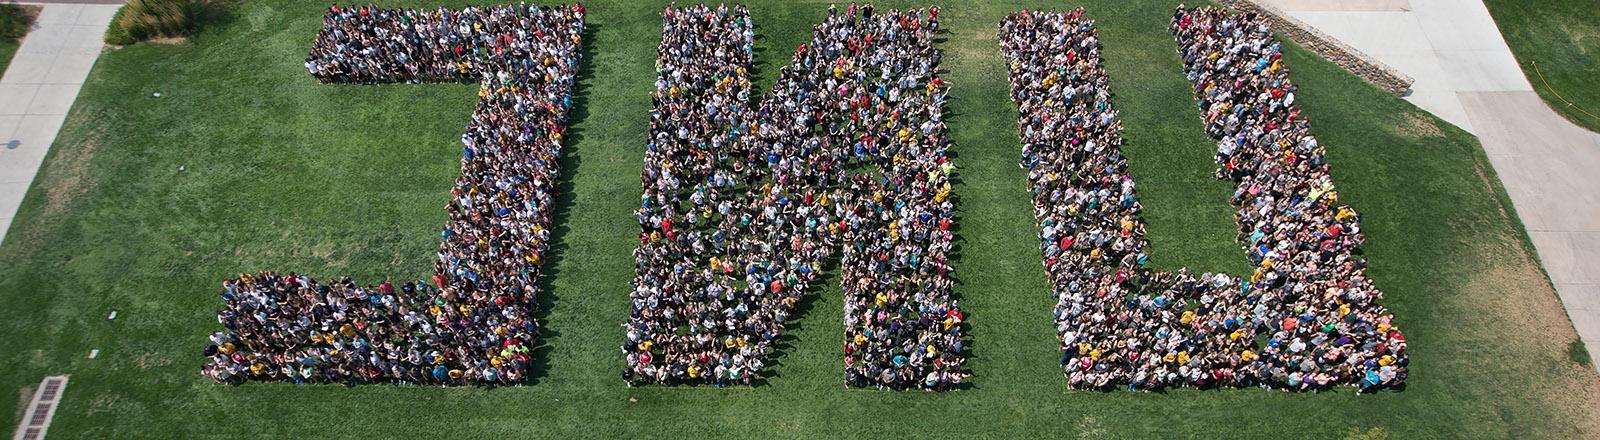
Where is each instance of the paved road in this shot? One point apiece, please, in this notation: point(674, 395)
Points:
point(39, 87)
point(1467, 75)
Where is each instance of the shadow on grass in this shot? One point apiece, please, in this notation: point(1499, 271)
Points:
point(565, 197)
point(209, 14)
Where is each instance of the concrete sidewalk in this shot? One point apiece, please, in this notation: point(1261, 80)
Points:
point(38, 89)
point(1467, 75)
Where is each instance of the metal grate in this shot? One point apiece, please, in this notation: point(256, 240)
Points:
point(41, 409)
point(51, 387)
point(41, 414)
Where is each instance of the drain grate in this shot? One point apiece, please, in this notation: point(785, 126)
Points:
point(41, 409)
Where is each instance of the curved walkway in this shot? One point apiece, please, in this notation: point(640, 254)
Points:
point(38, 89)
point(1467, 75)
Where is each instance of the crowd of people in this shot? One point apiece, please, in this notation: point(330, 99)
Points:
point(1307, 318)
point(473, 322)
point(743, 206)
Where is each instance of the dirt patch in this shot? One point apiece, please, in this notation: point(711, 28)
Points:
point(67, 173)
point(1415, 125)
point(168, 40)
point(31, 12)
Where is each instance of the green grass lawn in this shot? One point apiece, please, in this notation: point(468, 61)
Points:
point(1561, 38)
point(246, 163)
point(14, 21)
point(8, 48)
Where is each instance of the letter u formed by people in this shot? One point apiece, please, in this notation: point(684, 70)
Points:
point(1123, 325)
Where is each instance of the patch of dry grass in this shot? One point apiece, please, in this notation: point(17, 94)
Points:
point(1416, 125)
point(67, 177)
point(1514, 292)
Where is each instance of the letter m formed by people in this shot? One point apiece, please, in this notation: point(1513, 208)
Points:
point(743, 206)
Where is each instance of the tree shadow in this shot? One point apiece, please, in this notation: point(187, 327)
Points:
point(211, 14)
